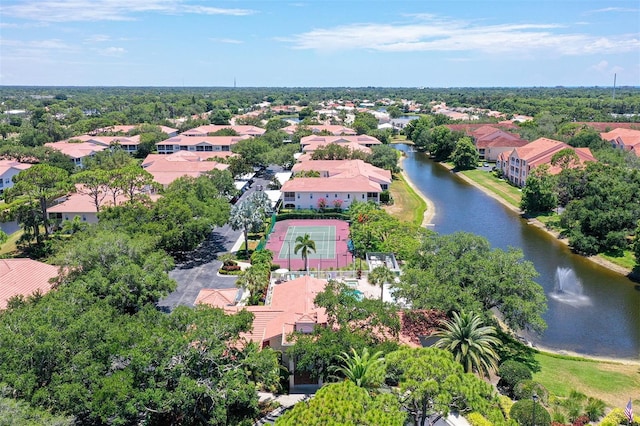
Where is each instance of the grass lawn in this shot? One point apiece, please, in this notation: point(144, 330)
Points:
point(611, 382)
point(626, 260)
point(9, 247)
point(498, 186)
point(407, 205)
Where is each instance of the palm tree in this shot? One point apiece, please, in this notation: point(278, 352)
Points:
point(363, 370)
point(379, 276)
point(304, 243)
point(471, 343)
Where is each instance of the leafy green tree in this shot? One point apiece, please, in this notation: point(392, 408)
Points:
point(471, 343)
point(365, 371)
point(109, 159)
point(128, 273)
point(255, 280)
point(249, 215)
point(252, 150)
point(442, 142)
point(538, 194)
point(636, 245)
point(385, 157)
point(364, 122)
point(430, 381)
point(332, 151)
point(483, 279)
point(465, 155)
point(133, 181)
point(345, 404)
point(304, 245)
point(41, 184)
point(354, 323)
point(511, 373)
point(379, 276)
point(94, 183)
point(529, 413)
point(565, 158)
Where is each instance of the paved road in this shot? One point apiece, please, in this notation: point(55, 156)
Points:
point(200, 269)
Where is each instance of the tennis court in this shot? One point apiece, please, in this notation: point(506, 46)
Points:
point(330, 238)
point(324, 238)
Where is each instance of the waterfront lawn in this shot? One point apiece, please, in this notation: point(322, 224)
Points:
point(407, 206)
point(626, 259)
point(503, 189)
point(611, 382)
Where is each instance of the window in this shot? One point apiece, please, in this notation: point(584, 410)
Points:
point(372, 195)
point(384, 186)
point(335, 195)
point(289, 194)
point(348, 195)
point(311, 196)
point(363, 196)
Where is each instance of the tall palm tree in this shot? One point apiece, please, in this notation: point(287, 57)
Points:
point(471, 343)
point(304, 243)
point(363, 370)
point(379, 276)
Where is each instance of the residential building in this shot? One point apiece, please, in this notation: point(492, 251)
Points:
point(319, 140)
point(310, 193)
point(8, 169)
point(492, 142)
point(517, 165)
point(124, 129)
point(334, 129)
point(167, 168)
point(83, 146)
point(346, 169)
point(624, 139)
point(198, 143)
point(23, 277)
point(289, 309)
point(213, 128)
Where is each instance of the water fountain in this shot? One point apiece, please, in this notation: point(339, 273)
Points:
point(568, 289)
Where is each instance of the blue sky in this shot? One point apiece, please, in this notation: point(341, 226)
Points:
point(317, 43)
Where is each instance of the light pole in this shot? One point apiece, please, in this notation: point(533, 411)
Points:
point(289, 254)
point(533, 414)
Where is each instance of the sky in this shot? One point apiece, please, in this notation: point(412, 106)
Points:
point(316, 43)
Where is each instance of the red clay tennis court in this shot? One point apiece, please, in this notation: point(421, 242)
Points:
point(329, 235)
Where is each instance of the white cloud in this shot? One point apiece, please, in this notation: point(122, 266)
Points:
point(107, 10)
point(603, 67)
point(97, 38)
point(227, 40)
point(438, 34)
point(112, 51)
point(614, 9)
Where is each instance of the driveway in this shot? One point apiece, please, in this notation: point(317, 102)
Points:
point(200, 268)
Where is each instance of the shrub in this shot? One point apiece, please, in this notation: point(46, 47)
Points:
point(505, 405)
point(512, 372)
point(594, 409)
point(614, 418)
point(385, 196)
point(523, 413)
point(526, 388)
point(477, 419)
point(231, 268)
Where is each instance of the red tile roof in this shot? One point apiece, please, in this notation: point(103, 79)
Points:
point(625, 138)
point(6, 165)
point(542, 150)
point(212, 128)
point(334, 129)
point(24, 277)
point(335, 184)
point(360, 139)
point(291, 302)
point(202, 140)
point(344, 169)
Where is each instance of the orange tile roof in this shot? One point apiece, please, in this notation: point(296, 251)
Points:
point(202, 140)
point(24, 277)
point(212, 128)
point(221, 298)
point(627, 138)
point(360, 139)
point(335, 184)
point(6, 165)
point(77, 150)
point(353, 146)
point(344, 168)
point(334, 129)
point(167, 168)
point(542, 150)
point(291, 302)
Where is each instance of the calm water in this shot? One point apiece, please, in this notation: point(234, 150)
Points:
point(591, 310)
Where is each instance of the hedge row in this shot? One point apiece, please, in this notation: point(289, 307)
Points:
point(312, 214)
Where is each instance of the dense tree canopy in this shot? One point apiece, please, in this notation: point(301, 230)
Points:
point(461, 272)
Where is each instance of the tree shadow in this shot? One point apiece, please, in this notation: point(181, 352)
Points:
point(206, 252)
